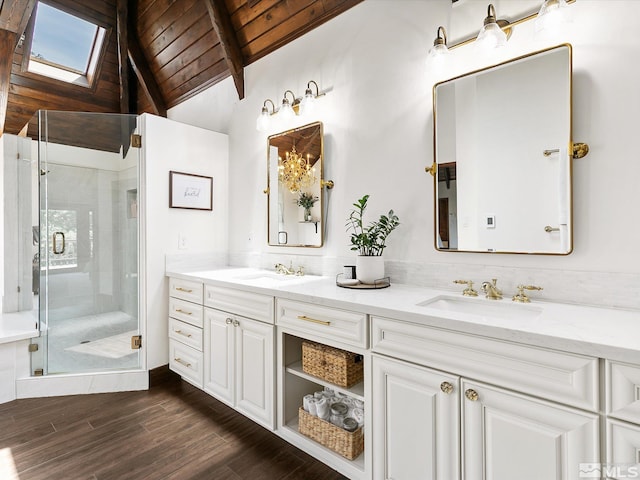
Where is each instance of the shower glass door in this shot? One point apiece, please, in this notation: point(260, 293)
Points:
point(88, 242)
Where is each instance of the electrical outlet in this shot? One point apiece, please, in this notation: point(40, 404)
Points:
point(182, 241)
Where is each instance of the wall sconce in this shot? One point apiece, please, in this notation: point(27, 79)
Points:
point(439, 49)
point(552, 14)
point(290, 107)
point(495, 32)
point(492, 34)
point(262, 122)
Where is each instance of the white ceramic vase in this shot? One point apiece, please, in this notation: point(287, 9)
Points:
point(369, 268)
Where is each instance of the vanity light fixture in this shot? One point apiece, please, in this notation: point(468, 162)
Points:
point(262, 122)
point(550, 15)
point(439, 49)
point(308, 102)
point(492, 34)
point(286, 110)
point(291, 106)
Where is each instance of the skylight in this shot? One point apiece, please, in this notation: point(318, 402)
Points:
point(64, 46)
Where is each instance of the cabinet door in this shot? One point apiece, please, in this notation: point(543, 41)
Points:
point(507, 436)
point(218, 351)
point(415, 422)
point(255, 368)
point(623, 450)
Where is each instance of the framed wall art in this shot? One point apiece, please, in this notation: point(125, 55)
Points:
point(187, 190)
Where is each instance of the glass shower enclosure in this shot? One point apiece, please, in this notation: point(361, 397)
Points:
point(86, 259)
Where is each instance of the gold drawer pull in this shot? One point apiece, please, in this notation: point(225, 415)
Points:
point(313, 320)
point(182, 362)
point(471, 395)
point(446, 387)
point(184, 289)
point(179, 310)
point(180, 332)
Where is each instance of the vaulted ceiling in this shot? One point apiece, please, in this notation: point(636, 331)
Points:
point(158, 52)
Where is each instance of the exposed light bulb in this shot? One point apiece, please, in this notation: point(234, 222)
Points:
point(491, 36)
point(552, 16)
point(286, 113)
point(262, 122)
point(308, 103)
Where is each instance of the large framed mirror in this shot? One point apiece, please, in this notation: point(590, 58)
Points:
point(294, 187)
point(503, 152)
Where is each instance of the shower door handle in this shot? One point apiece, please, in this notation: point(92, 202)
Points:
point(55, 243)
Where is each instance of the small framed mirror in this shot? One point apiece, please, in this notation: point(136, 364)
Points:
point(503, 152)
point(294, 187)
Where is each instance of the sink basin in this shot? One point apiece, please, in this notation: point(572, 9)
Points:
point(480, 307)
point(266, 278)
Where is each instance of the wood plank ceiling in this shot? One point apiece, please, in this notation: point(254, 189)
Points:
point(158, 52)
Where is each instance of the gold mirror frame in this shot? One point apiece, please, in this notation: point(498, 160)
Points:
point(281, 202)
point(563, 150)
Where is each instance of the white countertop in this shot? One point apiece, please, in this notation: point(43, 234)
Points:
point(18, 326)
point(598, 332)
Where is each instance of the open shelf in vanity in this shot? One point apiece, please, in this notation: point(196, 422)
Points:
point(294, 384)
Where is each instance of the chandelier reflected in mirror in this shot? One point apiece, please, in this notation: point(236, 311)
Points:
point(295, 171)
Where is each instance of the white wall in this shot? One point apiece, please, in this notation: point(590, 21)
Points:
point(169, 145)
point(378, 138)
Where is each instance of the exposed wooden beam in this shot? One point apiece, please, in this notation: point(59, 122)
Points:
point(229, 41)
point(146, 78)
point(7, 47)
point(141, 68)
point(122, 22)
point(28, 8)
point(13, 13)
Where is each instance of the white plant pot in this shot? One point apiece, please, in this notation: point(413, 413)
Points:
point(369, 268)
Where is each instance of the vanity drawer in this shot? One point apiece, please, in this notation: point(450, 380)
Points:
point(186, 311)
point(623, 391)
point(559, 376)
point(186, 361)
point(238, 302)
point(185, 333)
point(340, 325)
point(185, 289)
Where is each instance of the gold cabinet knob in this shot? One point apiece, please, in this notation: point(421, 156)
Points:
point(236, 323)
point(446, 387)
point(228, 321)
point(471, 395)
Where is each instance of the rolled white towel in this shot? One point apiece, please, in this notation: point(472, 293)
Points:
point(323, 409)
point(357, 403)
point(318, 395)
point(358, 415)
point(309, 404)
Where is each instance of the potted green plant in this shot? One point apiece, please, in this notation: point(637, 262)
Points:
point(369, 240)
point(306, 201)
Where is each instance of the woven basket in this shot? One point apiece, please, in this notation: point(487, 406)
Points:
point(339, 367)
point(347, 444)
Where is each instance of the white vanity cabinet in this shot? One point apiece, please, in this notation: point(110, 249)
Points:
point(298, 321)
point(239, 352)
point(506, 435)
point(623, 419)
point(415, 422)
point(526, 412)
point(185, 330)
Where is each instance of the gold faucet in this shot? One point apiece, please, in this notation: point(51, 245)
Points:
point(469, 291)
point(523, 297)
point(492, 291)
point(280, 268)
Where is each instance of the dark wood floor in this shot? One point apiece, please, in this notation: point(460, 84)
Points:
point(172, 431)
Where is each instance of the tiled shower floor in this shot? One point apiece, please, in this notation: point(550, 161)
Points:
point(91, 343)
